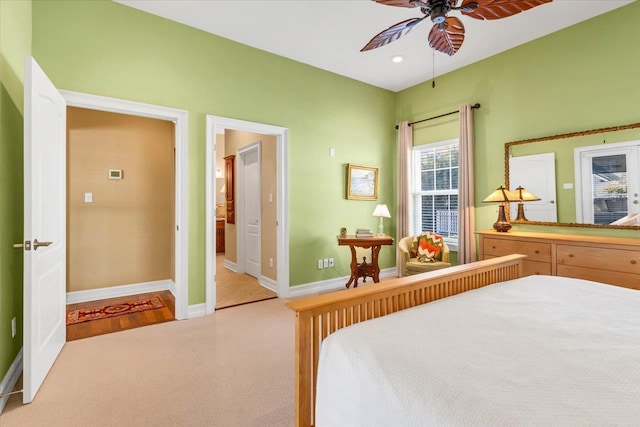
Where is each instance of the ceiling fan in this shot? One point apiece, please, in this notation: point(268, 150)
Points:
point(447, 33)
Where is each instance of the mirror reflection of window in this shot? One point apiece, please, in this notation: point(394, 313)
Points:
point(609, 188)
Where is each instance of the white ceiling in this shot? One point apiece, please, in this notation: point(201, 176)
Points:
point(329, 34)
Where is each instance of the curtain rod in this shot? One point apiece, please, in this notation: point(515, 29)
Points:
point(473, 107)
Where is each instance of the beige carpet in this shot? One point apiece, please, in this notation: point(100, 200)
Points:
point(233, 368)
point(234, 289)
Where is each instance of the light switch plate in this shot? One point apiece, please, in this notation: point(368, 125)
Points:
point(88, 197)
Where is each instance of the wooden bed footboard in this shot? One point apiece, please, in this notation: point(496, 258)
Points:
point(319, 316)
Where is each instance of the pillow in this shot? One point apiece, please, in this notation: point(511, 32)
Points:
point(427, 247)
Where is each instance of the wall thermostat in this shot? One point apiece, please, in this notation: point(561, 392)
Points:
point(115, 173)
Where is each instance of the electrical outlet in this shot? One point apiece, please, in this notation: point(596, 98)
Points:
point(331, 262)
point(326, 263)
point(13, 327)
point(320, 264)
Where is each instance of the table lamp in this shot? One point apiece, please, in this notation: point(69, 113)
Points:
point(383, 212)
point(523, 196)
point(501, 195)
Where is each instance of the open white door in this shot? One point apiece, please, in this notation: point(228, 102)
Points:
point(44, 226)
point(251, 206)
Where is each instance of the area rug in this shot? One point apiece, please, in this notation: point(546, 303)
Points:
point(88, 314)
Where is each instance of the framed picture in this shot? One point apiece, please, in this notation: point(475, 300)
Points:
point(362, 182)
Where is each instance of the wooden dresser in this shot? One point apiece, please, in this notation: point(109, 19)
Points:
point(613, 260)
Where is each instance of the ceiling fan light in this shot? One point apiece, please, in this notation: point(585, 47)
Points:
point(438, 12)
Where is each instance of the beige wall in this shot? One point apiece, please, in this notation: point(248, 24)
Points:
point(237, 139)
point(125, 235)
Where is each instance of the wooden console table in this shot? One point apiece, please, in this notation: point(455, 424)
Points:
point(364, 269)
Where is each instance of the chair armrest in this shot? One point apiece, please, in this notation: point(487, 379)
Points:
point(445, 254)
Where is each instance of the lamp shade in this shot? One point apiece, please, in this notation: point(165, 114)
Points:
point(501, 195)
point(525, 196)
point(382, 211)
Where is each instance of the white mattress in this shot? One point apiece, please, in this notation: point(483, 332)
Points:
point(535, 351)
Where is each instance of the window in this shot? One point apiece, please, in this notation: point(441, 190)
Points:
point(435, 190)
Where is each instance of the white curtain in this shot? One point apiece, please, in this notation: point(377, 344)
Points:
point(403, 221)
point(466, 195)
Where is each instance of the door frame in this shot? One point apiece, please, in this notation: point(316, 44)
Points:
point(217, 124)
point(180, 119)
point(581, 165)
point(241, 229)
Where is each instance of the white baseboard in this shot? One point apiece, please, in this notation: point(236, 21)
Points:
point(336, 284)
point(121, 291)
point(10, 379)
point(196, 310)
point(172, 288)
point(230, 265)
point(268, 283)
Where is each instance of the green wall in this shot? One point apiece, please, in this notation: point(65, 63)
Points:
point(15, 44)
point(105, 48)
point(583, 77)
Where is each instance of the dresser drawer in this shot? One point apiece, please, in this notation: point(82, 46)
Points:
point(530, 268)
point(618, 260)
point(535, 251)
point(626, 280)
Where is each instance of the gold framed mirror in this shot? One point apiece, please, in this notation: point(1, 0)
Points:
point(592, 177)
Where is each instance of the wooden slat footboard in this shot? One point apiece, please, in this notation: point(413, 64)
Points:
point(319, 316)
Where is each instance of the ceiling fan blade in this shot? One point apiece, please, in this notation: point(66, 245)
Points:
point(392, 33)
point(398, 3)
point(448, 36)
point(497, 9)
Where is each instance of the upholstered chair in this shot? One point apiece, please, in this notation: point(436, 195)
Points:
point(412, 265)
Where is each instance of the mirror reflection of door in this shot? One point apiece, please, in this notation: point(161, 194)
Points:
point(609, 184)
point(537, 174)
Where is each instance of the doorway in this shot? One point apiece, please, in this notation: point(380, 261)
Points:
point(179, 251)
point(120, 220)
point(277, 196)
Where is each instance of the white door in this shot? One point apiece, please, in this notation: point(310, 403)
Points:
point(44, 226)
point(537, 174)
point(252, 206)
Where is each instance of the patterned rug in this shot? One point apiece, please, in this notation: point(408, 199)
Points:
point(85, 315)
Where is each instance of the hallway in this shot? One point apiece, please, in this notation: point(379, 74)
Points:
point(234, 289)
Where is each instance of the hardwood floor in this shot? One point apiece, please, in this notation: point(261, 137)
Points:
point(123, 322)
point(234, 289)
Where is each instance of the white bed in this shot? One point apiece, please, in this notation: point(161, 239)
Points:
point(539, 350)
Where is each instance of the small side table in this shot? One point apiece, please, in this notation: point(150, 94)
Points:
point(364, 269)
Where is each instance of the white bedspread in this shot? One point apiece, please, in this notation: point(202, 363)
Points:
point(535, 351)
